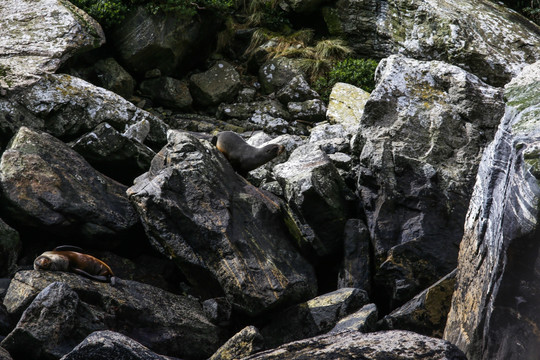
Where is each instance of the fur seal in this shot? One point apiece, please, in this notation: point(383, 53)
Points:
point(62, 259)
point(242, 156)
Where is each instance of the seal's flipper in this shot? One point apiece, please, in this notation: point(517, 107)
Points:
point(93, 277)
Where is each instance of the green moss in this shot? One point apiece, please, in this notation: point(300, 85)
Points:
point(522, 97)
point(332, 20)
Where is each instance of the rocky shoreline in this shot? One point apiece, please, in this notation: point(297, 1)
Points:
point(399, 223)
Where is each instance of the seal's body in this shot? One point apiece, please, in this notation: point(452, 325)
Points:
point(242, 156)
point(76, 262)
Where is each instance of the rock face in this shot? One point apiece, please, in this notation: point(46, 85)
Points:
point(72, 107)
point(220, 83)
point(246, 342)
point(495, 310)
point(220, 230)
point(169, 43)
point(422, 132)
point(389, 345)
point(168, 92)
point(38, 36)
point(346, 105)
point(490, 41)
point(170, 324)
point(48, 186)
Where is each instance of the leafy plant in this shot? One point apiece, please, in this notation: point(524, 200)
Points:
point(106, 12)
point(357, 72)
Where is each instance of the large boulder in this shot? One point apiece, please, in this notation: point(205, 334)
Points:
point(48, 186)
point(220, 83)
point(10, 249)
point(225, 234)
point(276, 73)
point(168, 91)
point(112, 76)
point(12, 117)
point(37, 37)
point(164, 322)
point(168, 42)
point(483, 37)
point(244, 343)
point(71, 107)
point(355, 270)
point(346, 105)
point(423, 132)
point(495, 310)
point(387, 345)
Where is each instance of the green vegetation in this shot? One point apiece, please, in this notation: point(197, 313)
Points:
point(112, 12)
point(357, 72)
point(529, 8)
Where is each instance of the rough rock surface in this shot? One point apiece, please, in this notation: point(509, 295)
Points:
point(346, 105)
point(388, 345)
point(427, 312)
point(107, 345)
point(363, 320)
point(246, 342)
point(483, 37)
point(220, 230)
point(355, 270)
point(10, 248)
point(71, 107)
point(220, 83)
point(52, 31)
point(276, 73)
point(170, 324)
point(112, 76)
point(313, 317)
point(296, 90)
point(48, 186)
point(168, 91)
point(496, 308)
point(423, 131)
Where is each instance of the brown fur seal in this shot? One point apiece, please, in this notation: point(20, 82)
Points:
point(242, 156)
point(74, 261)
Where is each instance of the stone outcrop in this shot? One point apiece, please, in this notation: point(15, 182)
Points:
point(220, 83)
point(355, 270)
point(39, 36)
point(246, 342)
point(48, 186)
point(389, 345)
point(169, 324)
point(485, 38)
point(495, 310)
point(225, 234)
point(422, 134)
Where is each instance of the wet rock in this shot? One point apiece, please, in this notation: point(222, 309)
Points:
point(363, 320)
point(276, 73)
point(166, 323)
point(317, 197)
point(388, 345)
point(495, 309)
point(112, 76)
point(355, 270)
point(422, 134)
point(39, 36)
point(163, 41)
point(426, 313)
point(73, 107)
point(313, 317)
point(106, 345)
point(219, 84)
point(297, 90)
point(346, 105)
point(220, 250)
point(309, 110)
point(44, 326)
point(48, 186)
point(246, 342)
point(114, 154)
point(485, 38)
point(168, 92)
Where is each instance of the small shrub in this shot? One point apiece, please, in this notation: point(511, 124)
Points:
point(357, 72)
point(106, 12)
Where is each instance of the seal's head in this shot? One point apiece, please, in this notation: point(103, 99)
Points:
point(42, 263)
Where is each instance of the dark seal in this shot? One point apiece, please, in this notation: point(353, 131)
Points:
point(242, 156)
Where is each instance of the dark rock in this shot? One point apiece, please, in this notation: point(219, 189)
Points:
point(388, 345)
point(107, 345)
point(355, 270)
point(422, 133)
point(10, 249)
point(496, 306)
point(240, 246)
point(12, 117)
point(363, 320)
point(48, 186)
point(276, 73)
point(246, 342)
point(309, 110)
point(317, 197)
point(219, 84)
point(218, 310)
point(426, 313)
point(313, 317)
point(168, 92)
point(113, 153)
point(169, 324)
point(269, 115)
point(166, 42)
point(297, 90)
point(47, 327)
point(112, 76)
